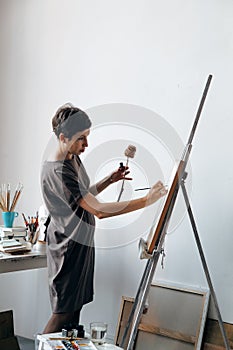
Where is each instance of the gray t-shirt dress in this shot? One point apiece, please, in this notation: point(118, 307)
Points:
point(70, 235)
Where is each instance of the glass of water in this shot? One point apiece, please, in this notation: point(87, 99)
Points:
point(98, 332)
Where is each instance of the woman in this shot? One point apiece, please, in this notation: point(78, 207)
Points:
point(73, 207)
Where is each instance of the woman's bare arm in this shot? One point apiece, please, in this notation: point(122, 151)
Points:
point(105, 210)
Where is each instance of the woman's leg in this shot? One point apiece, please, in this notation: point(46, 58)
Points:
point(57, 321)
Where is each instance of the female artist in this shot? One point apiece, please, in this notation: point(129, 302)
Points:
point(73, 206)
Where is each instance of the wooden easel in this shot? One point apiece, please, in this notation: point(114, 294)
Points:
point(154, 245)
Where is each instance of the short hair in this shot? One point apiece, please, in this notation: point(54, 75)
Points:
point(69, 120)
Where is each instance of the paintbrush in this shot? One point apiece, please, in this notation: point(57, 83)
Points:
point(16, 196)
point(8, 193)
point(2, 200)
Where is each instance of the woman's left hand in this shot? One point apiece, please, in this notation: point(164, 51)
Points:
point(120, 174)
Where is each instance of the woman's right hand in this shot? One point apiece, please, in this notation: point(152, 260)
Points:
point(157, 191)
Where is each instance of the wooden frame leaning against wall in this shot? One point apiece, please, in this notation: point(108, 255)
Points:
point(175, 318)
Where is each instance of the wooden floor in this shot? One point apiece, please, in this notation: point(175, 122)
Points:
point(212, 339)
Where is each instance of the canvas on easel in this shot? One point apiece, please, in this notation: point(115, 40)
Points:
point(161, 221)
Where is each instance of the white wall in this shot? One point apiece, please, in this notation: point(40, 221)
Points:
point(152, 54)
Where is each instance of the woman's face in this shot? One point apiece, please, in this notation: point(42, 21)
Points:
point(78, 142)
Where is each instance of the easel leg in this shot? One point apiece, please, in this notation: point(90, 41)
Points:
point(144, 277)
point(205, 267)
point(140, 300)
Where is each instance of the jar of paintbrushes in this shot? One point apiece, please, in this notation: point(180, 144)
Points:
point(32, 225)
point(7, 205)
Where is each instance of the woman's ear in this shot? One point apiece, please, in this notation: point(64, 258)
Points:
point(62, 138)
